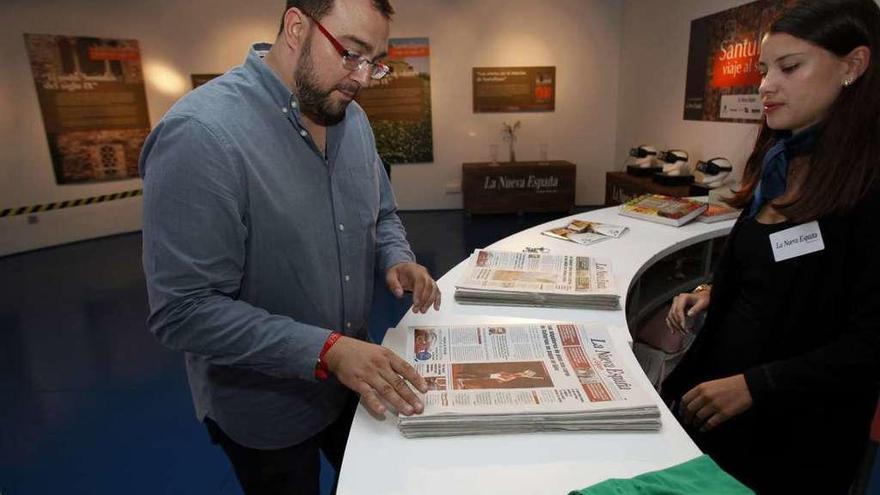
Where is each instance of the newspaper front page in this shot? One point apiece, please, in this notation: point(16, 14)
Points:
point(535, 272)
point(524, 377)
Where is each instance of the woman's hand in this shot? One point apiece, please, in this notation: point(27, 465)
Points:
point(711, 403)
point(684, 307)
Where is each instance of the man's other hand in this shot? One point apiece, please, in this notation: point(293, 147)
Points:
point(414, 277)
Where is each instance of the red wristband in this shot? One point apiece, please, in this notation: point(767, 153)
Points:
point(321, 371)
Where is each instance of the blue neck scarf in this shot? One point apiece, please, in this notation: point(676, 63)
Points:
point(774, 171)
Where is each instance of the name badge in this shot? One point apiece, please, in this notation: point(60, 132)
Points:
point(797, 241)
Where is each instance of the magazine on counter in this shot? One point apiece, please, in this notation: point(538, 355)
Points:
point(667, 210)
point(584, 232)
point(506, 378)
point(535, 279)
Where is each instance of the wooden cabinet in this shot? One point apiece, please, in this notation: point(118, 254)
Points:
point(620, 187)
point(518, 187)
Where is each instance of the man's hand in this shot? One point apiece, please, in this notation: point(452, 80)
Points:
point(685, 306)
point(711, 403)
point(373, 372)
point(415, 278)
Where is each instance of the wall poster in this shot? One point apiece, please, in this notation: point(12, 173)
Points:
point(722, 74)
point(94, 105)
point(399, 105)
point(514, 89)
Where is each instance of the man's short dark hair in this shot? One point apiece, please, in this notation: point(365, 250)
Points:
point(319, 8)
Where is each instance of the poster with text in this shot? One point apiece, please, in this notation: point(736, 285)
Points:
point(514, 89)
point(399, 105)
point(94, 106)
point(722, 73)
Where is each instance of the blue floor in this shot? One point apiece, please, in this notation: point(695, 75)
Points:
point(90, 403)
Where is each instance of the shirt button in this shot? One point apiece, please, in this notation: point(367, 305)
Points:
point(303, 133)
point(293, 104)
point(348, 324)
point(347, 278)
point(341, 227)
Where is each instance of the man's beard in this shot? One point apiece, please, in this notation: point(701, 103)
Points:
point(315, 101)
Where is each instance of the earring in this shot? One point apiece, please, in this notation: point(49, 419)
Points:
point(847, 83)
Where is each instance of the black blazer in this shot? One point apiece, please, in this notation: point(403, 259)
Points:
point(819, 378)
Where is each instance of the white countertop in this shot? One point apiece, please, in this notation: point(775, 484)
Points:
point(379, 460)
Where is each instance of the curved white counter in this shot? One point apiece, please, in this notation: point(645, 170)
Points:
point(380, 461)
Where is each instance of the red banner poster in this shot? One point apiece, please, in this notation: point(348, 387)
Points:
point(722, 75)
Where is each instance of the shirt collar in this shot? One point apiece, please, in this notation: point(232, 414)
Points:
point(279, 92)
point(285, 99)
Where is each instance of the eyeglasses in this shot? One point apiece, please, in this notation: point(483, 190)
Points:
point(350, 60)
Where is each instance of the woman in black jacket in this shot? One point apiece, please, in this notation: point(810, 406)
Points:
point(781, 383)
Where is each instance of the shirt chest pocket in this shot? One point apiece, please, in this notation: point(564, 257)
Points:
point(360, 196)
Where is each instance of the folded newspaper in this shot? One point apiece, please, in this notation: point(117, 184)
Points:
point(584, 232)
point(534, 279)
point(520, 378)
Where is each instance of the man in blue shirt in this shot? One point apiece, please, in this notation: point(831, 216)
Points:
point(266, 216)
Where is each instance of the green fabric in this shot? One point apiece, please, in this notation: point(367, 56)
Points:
point(698, 476)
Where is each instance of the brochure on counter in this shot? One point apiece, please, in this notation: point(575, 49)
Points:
point(584, 232)
point(500, 378)
point(537, 279)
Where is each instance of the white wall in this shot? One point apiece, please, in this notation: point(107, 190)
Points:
point(176, 39)
point(620, 82)
point(580, 37)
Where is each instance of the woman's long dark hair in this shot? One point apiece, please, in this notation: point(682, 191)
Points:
point(843, 167)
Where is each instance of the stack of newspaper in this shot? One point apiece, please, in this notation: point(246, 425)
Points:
point(534, 279)
point(524, 378)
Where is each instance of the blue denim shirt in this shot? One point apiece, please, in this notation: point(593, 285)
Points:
point(256, 247)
